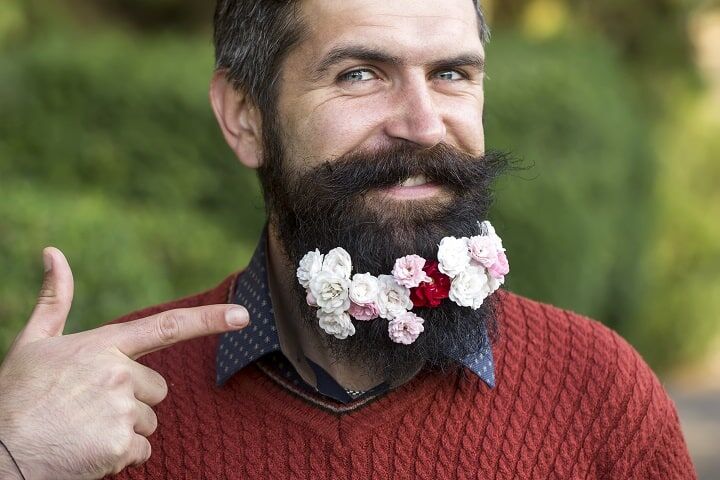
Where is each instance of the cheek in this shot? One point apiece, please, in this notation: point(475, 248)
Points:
point(464, 123)
point(338, 126)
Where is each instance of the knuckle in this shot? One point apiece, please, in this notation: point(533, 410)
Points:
point(168, 327)
point(120, 447)
point(125, 409)
point(118, 375)
point(47, 294)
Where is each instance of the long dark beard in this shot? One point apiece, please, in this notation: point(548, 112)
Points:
point(336, 204)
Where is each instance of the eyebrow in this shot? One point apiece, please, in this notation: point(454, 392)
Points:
point(367, 54)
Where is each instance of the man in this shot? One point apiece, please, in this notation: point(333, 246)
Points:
point(364, 120)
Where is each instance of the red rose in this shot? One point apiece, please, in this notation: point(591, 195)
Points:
point(431, 294)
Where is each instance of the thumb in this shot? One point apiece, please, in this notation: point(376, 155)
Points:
point(54, 301)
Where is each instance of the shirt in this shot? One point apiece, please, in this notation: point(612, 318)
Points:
point(260, 339)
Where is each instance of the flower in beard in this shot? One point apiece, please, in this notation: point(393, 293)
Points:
point(368, 311)
point(339, 325)
point(432, 293)
point(408, 271)
point(483, 250)
point(330, 291)
point(453, 255)
point(393, 298)
point(405, 328)
point(338, 261)
point(500, 267)
point(309, 266)
point(470, 288)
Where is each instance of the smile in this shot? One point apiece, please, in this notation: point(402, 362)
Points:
point(415, 187)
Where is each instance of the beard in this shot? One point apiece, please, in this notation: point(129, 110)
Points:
point(339, 203)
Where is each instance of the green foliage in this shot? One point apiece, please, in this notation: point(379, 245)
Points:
point(575, 222)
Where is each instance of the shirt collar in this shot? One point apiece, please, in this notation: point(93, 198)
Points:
point(238, 349)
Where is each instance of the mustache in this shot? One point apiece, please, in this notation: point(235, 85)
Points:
point(356, 173)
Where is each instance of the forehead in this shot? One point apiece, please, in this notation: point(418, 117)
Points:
point(412, 29)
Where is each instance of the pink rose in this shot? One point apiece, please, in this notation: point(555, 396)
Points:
point(483, 250)
point(310, 299)
point(408, 271)
point(367, 311)
point(501, 267)
point(405, 328)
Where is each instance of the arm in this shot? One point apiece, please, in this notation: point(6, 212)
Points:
point(671, 459)
point(8, 469)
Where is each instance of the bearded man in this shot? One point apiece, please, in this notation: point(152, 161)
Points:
point(378, 344)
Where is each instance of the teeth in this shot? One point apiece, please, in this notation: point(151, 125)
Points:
point(415, 181)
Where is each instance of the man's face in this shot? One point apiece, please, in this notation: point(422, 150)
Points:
point(378, 94)
point(371, 73)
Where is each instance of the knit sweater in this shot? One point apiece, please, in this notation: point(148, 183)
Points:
point(572, 401)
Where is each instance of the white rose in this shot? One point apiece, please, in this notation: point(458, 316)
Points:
point(339, 325)
point(364, 288)
point(310, 265)
point(330, 291)
point(470, 288)
point(338, 260)
point(393, 298)
point(453, 255)
point(494, 283)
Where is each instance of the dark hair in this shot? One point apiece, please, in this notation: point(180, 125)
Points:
point(252, 38)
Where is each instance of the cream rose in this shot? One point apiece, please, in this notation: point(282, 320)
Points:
point(338, 260)
point(310, 265)
point(453, 255)
point(339, 325)
point(364, 288)
point(331, 291)
point(470, 288)
point(393, 298)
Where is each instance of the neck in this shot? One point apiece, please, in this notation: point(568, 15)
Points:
point(297, 339)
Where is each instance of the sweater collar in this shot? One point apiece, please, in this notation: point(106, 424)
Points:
point(238, 349)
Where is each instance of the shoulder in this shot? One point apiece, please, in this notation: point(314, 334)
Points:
point(221, 293)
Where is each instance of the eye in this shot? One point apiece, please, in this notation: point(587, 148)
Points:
point(450, 75)
point(359, 75)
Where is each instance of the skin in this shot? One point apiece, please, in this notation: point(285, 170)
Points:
point(411, 89)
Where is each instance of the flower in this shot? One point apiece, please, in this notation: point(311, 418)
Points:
point(368, 311)
point(408, 271)
point(453, 255)
point(364, 288)
point(483, 250)
point(470, 287)
point(393, 298)
point(338, 325)
point(405, 328)
point(501, 267)
point(310, 265)
point(330, 291)
point(338, 260)
point(487, 226)
point(310, 299)
point(431, 294)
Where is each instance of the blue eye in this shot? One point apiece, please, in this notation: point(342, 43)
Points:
point(450, 75)
point(360, 75)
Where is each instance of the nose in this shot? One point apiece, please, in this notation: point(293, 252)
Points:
point(415, 118)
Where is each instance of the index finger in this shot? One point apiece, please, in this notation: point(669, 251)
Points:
point(140, 337)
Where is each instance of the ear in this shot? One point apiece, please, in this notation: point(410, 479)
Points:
point(239, 120)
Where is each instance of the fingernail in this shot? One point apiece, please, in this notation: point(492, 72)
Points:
point(47, 261)
point(237, 317)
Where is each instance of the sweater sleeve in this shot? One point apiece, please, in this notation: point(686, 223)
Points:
point(670, 459)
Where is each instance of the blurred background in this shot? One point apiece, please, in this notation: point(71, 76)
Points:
point(109, 151)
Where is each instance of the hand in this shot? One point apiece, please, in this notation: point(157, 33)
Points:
point(79, 406)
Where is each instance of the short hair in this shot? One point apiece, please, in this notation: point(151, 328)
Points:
point(253, 37)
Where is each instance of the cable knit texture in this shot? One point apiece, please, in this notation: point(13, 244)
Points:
point(573, 401)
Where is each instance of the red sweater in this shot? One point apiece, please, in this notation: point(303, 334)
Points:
point(573, 401)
